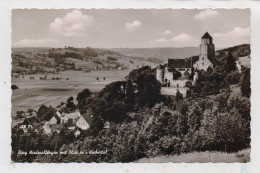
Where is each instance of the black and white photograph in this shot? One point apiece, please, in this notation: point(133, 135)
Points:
point(130, 85)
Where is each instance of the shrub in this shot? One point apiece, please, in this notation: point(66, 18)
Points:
point(14, 87)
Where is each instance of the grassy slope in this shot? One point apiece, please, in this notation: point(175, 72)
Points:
point(201, 157)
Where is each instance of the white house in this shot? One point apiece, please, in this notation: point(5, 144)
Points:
point(66, 116)
point(82, 122)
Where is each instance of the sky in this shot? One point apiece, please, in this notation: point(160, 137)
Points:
point(128, 28)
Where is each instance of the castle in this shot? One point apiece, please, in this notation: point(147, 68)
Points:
point(166, 74)
point(207, 53)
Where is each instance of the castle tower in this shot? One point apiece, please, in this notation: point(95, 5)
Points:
point(207, 53)
point(160, 73)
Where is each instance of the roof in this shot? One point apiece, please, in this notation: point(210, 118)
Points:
point(55, 116)
point(206, 35)
point(179, 63)
point(33, 121)
point(72, 115)
point(88, 118)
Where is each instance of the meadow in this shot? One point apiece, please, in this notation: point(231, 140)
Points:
point(32, 93)
point(201, 157)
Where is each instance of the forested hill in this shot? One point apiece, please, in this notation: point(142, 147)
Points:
point(70, 58)
point(237, 51)
point(159, 52)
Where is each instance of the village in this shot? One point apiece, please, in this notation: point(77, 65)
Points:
point(74, 122)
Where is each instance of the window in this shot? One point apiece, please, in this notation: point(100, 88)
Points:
point(202, 58)
point(203, 63)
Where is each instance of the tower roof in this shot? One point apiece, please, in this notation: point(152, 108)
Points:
point(206, 35)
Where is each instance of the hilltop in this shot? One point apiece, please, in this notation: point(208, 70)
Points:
point(162, 53)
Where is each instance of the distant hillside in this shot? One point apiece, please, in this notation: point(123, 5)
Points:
point(69, 58)
point(160, 53)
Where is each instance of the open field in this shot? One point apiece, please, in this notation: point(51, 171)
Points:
point(201, 157)
point(32, 93)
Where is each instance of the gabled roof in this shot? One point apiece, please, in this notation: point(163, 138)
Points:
point(33, 121)
point(206, 35)
point(179, 63)
point(88, 118)
point(55, 116)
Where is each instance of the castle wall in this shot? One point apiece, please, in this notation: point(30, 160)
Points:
point(180, 83)
point(173, 91)
point(168, 76)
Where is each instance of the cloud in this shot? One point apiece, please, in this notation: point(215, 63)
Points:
point(237, 32)
point(205, 14)
point(159, 40)
point(181, 40)
point(182, 37)
point(133, 26)
point(167, 32)
point(74, 23)
point(45, 42)
point(237, 35)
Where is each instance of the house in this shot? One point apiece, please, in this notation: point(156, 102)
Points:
point(54, 120)
point(84, 122)
point(106, 125)
point(74, 120)
point(77, 133)
point(30, 123)
point(68, 117)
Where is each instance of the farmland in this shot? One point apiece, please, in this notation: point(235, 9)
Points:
point(32, 93)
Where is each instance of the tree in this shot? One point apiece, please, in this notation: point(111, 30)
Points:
point(176, 75)
point(45, 113)
point(14, 87)
point(70, 104)
point(179, 96)
point(145, 86)
point(81, 97)
point(117, 112)
point(188, 84)
point(20, 114)
point(245, 83)
point(230, 63)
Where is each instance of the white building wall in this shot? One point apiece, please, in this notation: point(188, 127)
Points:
point(203, 63)
point(159, 75)
point(82, 123)
point(53, 120)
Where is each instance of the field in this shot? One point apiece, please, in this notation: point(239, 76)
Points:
point(202, 157)
point(32, 93)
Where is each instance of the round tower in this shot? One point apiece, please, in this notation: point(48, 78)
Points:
point(159, 73)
